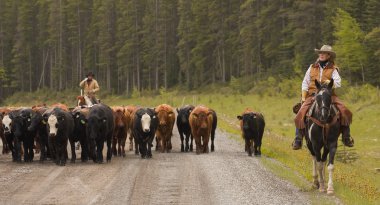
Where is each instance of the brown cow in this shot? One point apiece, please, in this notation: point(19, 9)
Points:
point(59, 105)
point(201, 121)
point(131, 109)
point(122, 119)
point(166, 117)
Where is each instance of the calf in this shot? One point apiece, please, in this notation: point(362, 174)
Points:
point(201, 121)
point(183, 126)
point(252, 126)
point(122, 119)
point(38, 124)
point(166, 119)
point(100, 128)
point(60, 125)
point(79, 134)
point(144, 127)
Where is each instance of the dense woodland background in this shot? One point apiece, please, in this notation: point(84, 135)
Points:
point(150, 44)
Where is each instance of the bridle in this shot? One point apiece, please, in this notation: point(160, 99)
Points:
point(324, 125)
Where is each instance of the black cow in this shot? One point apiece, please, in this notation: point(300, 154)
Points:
point(183, 126)
point(100, 127)
point(252, 126)
point(80, 126)
point(38, 124)
point(60, 125)
point(20, 123)
point(144, 127)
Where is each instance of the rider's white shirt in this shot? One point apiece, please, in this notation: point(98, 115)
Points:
point(306, 79)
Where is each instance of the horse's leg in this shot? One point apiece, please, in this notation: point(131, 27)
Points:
point(330, 168)
point(315, 173)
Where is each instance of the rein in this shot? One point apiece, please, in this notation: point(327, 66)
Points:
point(325, 126)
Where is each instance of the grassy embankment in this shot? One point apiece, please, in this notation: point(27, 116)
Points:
point(357, 178)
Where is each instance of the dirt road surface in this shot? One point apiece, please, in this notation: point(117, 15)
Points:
point(227, 176)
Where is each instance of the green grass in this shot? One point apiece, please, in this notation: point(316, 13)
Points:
point(356, 179)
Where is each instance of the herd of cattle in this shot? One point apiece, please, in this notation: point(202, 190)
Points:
point(49, 129)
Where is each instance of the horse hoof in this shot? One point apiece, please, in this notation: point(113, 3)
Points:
point(322, 190)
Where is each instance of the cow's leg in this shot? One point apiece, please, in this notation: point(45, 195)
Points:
point(248, 146)
point(109, 152)
point(163, 143)
point(212, 140)
point(198, 145)
point(183, 148)
point(99, 151)
point(330, 168)
point(114, 142)
point(84, 152)
point(43, 149)
point(26, 151)
point(123, 140)
point(149, 151)
point(170, 142)
point(73, 154)
point(205, 144)
point(137, 146)
point(191, 142)
point(31, 151)
point(142, 149)
point(131, 138)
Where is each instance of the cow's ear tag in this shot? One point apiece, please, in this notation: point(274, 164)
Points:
point(44, 122)
point(28, 119)
point(82, 121)
point(154, 117)
point(104, 120)
point(77, 116)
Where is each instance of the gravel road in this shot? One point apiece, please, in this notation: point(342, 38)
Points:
point(227, 176)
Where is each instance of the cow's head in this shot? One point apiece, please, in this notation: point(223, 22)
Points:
point(248, 120)
point(18, 124)
point(36, 120)
point(203, 119)
point(54, 123)
point(164, 116)
point(119, 118)
point(184, 114)
point(148, 119)
point(7, 124)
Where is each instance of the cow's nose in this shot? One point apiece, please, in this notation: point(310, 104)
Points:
point(146, 130)
point(51, 135)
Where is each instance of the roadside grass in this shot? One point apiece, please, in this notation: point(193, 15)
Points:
point(356, 175)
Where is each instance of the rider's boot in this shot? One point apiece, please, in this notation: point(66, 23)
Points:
point(297, 143)
point(346, 137)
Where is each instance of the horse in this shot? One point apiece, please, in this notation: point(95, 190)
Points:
point(323, 130)
point(85, 101)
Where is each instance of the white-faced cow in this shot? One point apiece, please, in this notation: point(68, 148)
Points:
point(144, 124)
point(60, 125)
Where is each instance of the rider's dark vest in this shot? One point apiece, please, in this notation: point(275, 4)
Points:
point(314, 75)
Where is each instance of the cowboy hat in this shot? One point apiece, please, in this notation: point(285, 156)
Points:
point(90, 74)
point(326, 49)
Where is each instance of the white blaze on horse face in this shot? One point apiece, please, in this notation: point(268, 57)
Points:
point(7, 122)
point(88, 101)
point(52, 121)
point(145, 122)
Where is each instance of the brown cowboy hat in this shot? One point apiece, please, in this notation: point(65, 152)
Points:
point(326, 49)
point(90, 74)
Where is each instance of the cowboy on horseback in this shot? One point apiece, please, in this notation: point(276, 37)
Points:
point(90, 87)
point(323, 70)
